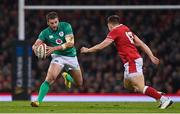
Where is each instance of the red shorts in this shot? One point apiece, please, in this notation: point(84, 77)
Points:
point(133, 68)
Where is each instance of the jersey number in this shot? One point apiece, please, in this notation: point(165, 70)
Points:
point(130, 37)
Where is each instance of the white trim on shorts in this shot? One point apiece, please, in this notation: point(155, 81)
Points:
point(138, 67)
point(69, 63)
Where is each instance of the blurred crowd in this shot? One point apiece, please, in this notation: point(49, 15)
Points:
point(102, 71)
point(8, 33)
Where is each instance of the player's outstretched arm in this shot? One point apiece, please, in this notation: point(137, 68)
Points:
point(97, 47)
point(146, 49)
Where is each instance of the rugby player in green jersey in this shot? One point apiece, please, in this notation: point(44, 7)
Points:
point(60, 40)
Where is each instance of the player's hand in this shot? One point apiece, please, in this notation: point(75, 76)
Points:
point(34, 48)
point(49, 50)
point(84, 50)
point(155, 60)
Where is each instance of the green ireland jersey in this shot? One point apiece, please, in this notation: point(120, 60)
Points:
point(56, 38)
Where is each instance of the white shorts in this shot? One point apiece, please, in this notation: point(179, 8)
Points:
point(133, 68)
point(69, 63)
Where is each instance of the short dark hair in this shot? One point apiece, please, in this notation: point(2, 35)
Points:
point(113, 19)
point(51, 15)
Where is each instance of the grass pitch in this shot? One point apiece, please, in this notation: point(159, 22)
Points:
point(86, 107)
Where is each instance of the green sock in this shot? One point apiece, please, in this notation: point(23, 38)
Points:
point(69, 78)
point(43, 91)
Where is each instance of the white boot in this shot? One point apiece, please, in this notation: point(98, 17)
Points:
point(165, 102)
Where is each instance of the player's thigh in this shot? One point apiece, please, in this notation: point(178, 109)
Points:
point(137, 82)
point(77, 76)
point(134, 81)
point(133, 74)
point(53, 72)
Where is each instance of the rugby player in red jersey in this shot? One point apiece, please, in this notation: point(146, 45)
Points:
point(126, 41)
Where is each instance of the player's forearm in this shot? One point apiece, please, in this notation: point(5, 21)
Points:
point(69, 43)
point(64, 46)
point(147, 50)
point(100, 46)
point(94, 48)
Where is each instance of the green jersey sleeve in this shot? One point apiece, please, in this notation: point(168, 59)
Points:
point(42, 36)
point(68, 29)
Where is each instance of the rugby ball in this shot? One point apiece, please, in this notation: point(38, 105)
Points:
point(41, 51)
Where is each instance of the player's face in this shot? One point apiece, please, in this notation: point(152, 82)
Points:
point(53, 23)
point(110, 26)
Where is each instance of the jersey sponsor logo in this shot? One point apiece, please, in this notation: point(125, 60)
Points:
point(51, 36)
point(61, 34)
point(59, 41)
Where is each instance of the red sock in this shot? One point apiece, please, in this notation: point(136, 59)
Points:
point(151, 92)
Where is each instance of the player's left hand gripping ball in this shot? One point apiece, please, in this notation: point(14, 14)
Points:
point(41, 51)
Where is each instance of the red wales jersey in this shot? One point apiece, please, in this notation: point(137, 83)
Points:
point(123, 39)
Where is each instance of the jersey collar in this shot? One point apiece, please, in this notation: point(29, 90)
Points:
point(118, 26)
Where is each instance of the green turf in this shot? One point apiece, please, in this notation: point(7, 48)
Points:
point(86, 107)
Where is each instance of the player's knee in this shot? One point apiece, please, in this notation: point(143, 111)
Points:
point(50, 77)
point(50, 80)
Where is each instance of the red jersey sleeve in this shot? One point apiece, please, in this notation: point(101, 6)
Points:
point(112, 35)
